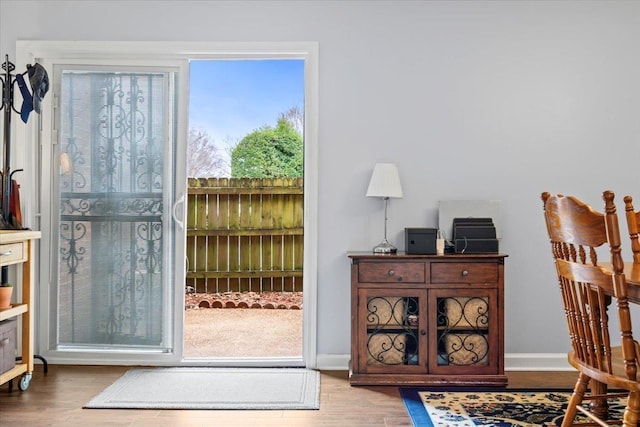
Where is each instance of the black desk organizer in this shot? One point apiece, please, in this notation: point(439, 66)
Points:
point(474, 236)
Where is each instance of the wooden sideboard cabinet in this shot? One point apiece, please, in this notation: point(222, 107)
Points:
point(427, 319)
point(17, 248)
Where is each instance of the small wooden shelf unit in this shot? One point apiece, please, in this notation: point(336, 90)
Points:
point(427, 319)
point(16, 247)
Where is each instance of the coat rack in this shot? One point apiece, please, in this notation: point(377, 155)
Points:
point(10, 216)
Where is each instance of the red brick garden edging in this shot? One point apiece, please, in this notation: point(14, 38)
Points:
point(267, 300)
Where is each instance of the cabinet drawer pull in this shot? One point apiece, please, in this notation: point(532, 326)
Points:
point(6, 253)
point(392, 273)
point(465, 273)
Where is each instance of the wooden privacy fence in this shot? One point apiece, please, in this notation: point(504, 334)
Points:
point(245, 234)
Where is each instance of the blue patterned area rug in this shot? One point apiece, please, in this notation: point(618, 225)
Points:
point(504, 408)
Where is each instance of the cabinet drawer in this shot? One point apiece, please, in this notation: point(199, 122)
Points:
point(386, 272)
point(464, 272)
point(12, 253)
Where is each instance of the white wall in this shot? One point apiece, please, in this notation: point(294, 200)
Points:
point(472, 100)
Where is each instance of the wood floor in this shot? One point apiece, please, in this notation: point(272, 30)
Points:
point(56, 399)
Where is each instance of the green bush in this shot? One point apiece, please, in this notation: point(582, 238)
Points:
point(269, 153)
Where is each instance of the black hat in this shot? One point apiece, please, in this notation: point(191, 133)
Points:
point(39, 81)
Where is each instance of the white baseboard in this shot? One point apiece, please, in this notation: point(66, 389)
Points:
point(340, 362)
point(333, 362)
point(536, 362)
point(512, 362)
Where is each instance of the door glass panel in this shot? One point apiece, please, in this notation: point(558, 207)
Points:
point(392, 331)
point(112, 243)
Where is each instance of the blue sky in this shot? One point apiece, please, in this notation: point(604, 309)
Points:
point(231, 98)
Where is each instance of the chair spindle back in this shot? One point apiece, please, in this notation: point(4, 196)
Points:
point(633, 224)
point(576, 232)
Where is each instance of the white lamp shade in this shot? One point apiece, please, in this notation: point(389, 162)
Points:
point(385, 181)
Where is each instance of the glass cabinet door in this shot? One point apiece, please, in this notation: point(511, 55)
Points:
point(392, 330)
point(463, 329)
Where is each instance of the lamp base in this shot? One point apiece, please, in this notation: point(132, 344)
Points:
point(385, 248)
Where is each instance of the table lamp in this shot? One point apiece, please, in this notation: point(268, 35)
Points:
point(385, 183)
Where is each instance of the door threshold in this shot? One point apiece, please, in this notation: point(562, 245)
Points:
point(262, 362)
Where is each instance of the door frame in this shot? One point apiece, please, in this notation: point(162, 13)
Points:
point(30, 141)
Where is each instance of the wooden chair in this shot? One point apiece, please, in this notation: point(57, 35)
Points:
point(576, 231)
point(633, 224)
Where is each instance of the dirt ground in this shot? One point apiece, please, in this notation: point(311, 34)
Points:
point(242, 332)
